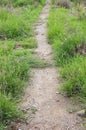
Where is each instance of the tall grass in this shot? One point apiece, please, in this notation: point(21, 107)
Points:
point(74, 74)
point(8, 110)
point(67, 34)
point(16, 40)
point(11, 25)
point(13, 73)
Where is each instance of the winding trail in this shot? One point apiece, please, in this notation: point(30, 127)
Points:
point(48, 109)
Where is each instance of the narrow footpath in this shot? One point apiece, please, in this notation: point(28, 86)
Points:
point(46, 108)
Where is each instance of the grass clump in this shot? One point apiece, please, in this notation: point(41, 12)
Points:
point(6, 47)
point(8, 110)
point(29, 43)
point(38, 63)
point(32, 61)
point(18, 26)
point(74, 74)
point(10, 26)
point(56, 31)
point(68, 49)
point(14, 72)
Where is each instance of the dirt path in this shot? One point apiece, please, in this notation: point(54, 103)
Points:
point(50, 108)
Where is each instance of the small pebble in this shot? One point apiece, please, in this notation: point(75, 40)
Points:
point(57, 92)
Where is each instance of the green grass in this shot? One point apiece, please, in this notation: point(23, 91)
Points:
point(21, 2)
point(16, 41)
point(18, 25)
point(74, 74)
point(29, 43)
point(66, 34)
point(8, 110)
point(12, 27)
point(6, 47)
point(14, 72)
point(68, 39)
point(32, 61)
point(38, 63)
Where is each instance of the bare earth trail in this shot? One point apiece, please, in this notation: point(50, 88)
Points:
point(41, 95)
